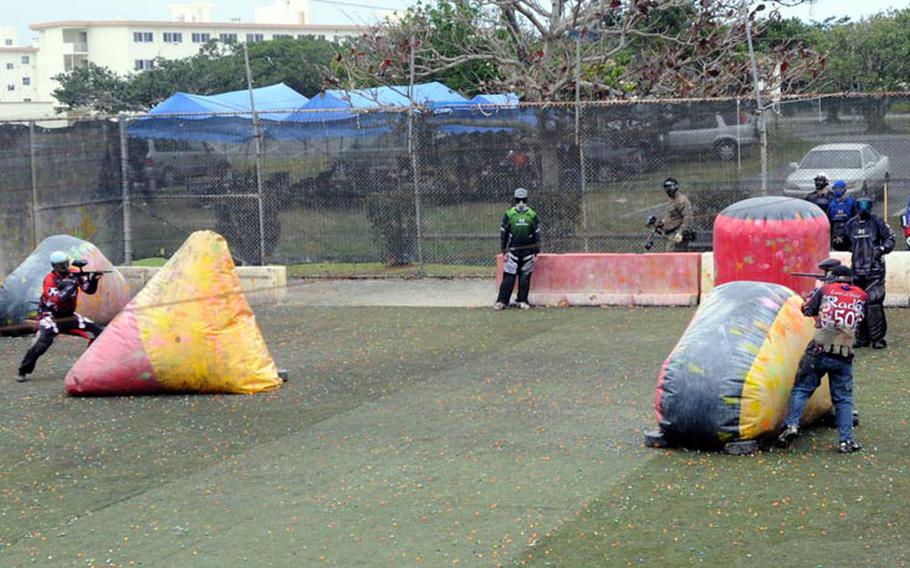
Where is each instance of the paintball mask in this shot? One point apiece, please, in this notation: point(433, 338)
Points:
point(671, 186)
point(821, 180)
point(521, 199)
point(864, 207)
point(839, 188)
point(60, 261)
point(842, 274)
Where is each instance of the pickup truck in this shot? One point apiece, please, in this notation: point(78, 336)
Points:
point(720, 133)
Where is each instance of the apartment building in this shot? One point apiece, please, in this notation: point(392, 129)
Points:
point(131, 46)
point(18, 77)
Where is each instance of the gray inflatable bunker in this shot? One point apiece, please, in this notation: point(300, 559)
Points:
point(730, 375)
point(21, 289)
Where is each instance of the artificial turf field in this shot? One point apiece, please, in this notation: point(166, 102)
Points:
point(440, 437)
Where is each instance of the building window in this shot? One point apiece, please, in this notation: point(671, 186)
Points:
point(254, 37)
point(9, 65)
point(11, 87)
point(282, 36)
point(200, 37)
point(173, 37)
point(8, 42)
point(26, 60)
point(26, 100)
point(228, 38)
point(144, 64)
point(26, 81)
point(143, 37)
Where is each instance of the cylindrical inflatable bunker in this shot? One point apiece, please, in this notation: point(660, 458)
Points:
point(730, 375)
point(765, 239)
point(21, 289)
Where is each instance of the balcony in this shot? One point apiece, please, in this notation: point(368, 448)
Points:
point(75, 48)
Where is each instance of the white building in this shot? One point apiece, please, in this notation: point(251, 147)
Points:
point(18, 78)
point(131, 46)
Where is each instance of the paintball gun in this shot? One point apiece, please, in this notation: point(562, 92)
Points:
point(826, 266)
point(81, 263)
point(656, 228)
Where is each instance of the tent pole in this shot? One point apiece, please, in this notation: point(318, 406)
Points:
point(257, 136)
point(34, 166)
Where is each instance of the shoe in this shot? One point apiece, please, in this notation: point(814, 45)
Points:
point(786, 437)
point(848, 447)
point(499, 306)
point(524, 305)
point(880, 344)
point(857, 344)
point(21, 378)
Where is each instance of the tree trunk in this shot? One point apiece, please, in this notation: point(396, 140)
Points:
point(874, 111)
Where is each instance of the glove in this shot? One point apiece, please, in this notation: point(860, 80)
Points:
point(908, 243)
point(678, 237)
point(838, 241)
point(878, 252)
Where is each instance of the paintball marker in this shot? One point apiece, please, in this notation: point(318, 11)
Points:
point(80, 264)
point(826, 266)
point(656, 228)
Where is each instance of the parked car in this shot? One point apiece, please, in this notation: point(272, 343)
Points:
point(720, 133)
point(859, 165)
point(607, 158)
point(169, 162)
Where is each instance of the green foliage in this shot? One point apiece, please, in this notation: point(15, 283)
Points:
point(392, 215)
point(218, 67)
point(872, 54)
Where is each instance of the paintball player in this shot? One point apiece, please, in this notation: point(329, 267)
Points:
point(905, 223)
point(822, 195)
point(519, 242)
point(840, 210)
point(838, 307)
point(869, 239)
point(57, 310)
point(678, 218)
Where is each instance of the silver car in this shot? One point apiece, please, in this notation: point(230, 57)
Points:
point(859, 165)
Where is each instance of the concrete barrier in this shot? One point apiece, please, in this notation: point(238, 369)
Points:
point(261, 284)
point(897, 276)
point(660, 279)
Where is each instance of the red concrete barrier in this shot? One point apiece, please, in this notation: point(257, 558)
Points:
point(660, 279)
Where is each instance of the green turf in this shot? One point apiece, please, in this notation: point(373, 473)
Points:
point(438, 437)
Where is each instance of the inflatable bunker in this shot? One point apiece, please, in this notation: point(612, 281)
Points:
point(21, 289)
point(190, 329)
point(767, 239)
point(728, 379)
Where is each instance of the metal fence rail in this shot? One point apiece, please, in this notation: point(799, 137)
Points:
point(429, 187)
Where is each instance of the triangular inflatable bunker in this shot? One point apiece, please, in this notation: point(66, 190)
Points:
point(21, 289)
point(189, 330)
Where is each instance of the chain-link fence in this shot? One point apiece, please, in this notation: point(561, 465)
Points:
point(431, 186)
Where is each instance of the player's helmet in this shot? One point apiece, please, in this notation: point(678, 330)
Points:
point(521, 193)
point(864, 204)
point(821, 180)
point(60, 261)
point(671, 186)
point(839, 188)
point(842, 274)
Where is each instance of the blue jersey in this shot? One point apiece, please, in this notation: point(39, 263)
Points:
point(841, 210)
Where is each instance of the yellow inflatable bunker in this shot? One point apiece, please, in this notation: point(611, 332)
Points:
point(730, 375)
point(189, 330)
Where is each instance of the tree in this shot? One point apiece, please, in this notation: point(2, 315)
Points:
point(217, 68)
point(629, 48)
point(871, 55)
point(93, 87)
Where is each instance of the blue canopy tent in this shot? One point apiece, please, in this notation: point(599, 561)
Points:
point(184, 116)
point(340, 113)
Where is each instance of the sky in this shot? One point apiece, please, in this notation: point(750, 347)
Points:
point(322, 11)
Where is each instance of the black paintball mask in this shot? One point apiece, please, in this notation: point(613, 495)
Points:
point(671, 186)
point(864, 207)
point(842, 274)
point(821, 183)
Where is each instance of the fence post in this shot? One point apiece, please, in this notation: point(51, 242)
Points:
point(412, 150)
point(257, 135)
point(34, 171)
point(125, 193)
point(578, 143)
